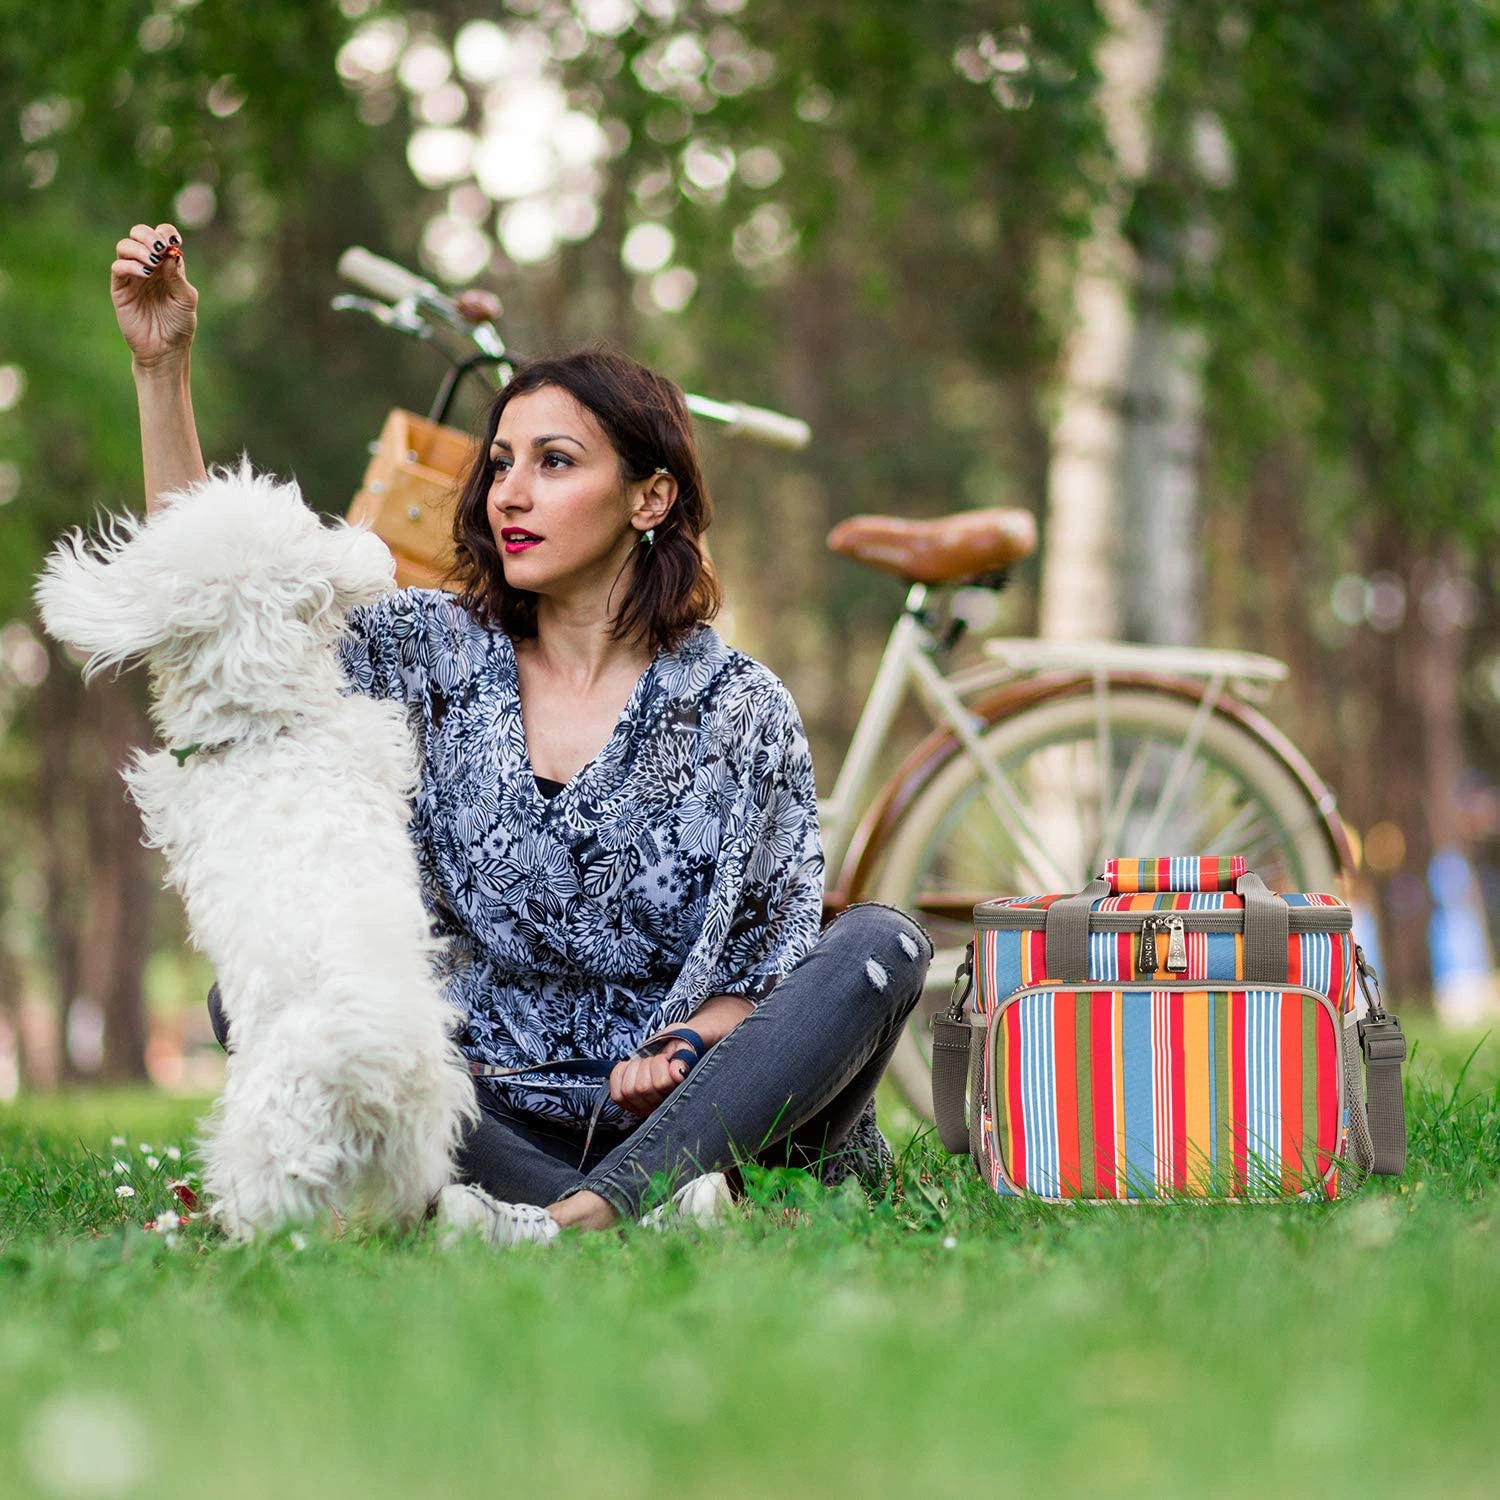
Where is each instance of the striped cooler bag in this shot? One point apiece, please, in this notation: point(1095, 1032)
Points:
point(1174, 1030)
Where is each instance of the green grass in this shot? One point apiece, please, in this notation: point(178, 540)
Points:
point(911, 1349)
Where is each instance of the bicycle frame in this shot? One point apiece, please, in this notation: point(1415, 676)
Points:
point(909, 662)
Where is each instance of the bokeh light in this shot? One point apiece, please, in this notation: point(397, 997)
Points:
point(647, 247)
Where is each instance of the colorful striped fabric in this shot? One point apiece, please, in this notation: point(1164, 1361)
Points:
point(1006, 961)
point(1171, 901)
point(1164, 901)
point(1184, 872)
point(1108, 1093)
point(1146, 1086)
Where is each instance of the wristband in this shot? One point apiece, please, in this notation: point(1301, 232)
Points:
point(692, 1052)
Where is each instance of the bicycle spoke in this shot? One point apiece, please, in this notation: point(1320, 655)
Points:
point(1184, 757)
point(1104, 747)
point(1229, 838)
point(1157, 772)
point(1114, 825)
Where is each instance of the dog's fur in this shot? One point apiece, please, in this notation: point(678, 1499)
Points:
point(344, 1093)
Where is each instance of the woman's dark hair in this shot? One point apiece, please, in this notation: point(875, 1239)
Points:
point(672, 587)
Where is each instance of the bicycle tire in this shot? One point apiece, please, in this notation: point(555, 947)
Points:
point(1305, 862)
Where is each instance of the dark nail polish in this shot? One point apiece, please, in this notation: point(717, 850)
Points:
point(147, 270)
point(175, 240)
point(158, 246)
point(154, 259)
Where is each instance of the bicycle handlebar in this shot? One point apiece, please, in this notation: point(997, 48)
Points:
point(773, 428)
point(385, 279)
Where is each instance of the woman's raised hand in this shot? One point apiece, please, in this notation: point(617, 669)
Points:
point(155, 303)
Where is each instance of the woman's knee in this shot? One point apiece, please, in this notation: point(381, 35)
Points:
point(890, 951)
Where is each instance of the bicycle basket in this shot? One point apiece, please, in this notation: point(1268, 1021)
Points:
point(408, 494)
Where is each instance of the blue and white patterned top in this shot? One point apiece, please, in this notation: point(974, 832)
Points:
point(683, 861)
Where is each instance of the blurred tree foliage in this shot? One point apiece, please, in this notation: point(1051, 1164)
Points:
point(884, 248)
point(232, 123)
point(1334, 210)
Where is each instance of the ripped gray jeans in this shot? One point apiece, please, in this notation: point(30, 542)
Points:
point(784, 1088)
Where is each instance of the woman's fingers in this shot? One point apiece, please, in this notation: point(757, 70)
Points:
point(639, 1084)
point(639, 1091)
point(146, 249)
point(624, 1084)
point(667, 1073)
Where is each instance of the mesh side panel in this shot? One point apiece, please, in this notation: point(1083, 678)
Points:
point(1361, 1148)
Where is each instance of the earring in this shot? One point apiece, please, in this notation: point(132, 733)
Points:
point(650, 535)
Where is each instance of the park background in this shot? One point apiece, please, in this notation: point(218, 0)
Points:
point(1212, 288)
point(1214, 291)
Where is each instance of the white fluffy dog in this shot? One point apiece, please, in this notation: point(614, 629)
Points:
point(285, 830)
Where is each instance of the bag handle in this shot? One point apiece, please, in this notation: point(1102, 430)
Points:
point(1177, 872)
point(1267, 929)
point(1068, 933)
point(1268, 923)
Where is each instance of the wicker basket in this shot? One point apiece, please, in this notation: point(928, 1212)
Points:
point(409, 491)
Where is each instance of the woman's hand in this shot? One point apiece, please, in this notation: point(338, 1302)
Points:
point(639, 1084)
point(156, 305)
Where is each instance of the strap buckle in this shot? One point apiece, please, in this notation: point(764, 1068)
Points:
point(963, 986)
point(1369, 982)
point(1382, 1040)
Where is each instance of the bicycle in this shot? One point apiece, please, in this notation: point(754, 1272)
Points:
point(1044, 758)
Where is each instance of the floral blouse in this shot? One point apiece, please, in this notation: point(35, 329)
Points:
point(683, 861)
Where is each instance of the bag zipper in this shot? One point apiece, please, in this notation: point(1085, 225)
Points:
point(1176, 945)
point(992, 1083)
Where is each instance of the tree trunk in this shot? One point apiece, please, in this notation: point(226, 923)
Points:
point(119, 880)
point(1081, 595)
point(1163, 549)
point(99, 881)
point(59, 719)
point(1463, 963)
point(1392, 667)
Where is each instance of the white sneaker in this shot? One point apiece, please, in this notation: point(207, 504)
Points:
point(705, 1200)
point(464, 1209)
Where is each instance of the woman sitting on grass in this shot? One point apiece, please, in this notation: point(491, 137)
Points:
point(616, 825)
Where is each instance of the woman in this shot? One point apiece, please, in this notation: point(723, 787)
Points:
point(616, 826)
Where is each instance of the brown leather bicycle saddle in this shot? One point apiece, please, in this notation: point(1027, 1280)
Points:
point(966, 545)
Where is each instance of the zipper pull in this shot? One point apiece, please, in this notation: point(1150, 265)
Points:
point(1176, 946)
point(1146, 964)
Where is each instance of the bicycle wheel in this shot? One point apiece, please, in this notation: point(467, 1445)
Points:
point(952, 848)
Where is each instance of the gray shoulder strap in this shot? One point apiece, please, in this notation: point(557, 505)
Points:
point(956, 1052)
point(1383, 1046)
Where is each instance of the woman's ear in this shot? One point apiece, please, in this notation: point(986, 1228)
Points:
point(657, 496)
